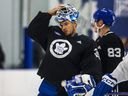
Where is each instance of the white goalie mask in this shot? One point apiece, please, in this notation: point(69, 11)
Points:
point(68, 12)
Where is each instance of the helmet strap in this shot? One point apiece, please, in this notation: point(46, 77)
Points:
point(99, 28)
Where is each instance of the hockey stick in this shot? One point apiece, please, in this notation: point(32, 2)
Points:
point(117, 93)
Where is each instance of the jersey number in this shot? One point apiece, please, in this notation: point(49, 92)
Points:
point(114, 52)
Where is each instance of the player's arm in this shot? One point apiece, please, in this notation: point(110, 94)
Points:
point(121, 71)
point(39, 29)
point(91, 64)
point(110, 80)
point(105, 85)
point(90, 68)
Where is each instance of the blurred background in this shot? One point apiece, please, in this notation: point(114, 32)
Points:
point(20, 56)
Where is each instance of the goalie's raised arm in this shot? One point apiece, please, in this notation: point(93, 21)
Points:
point(79, 85)
point(54, 10)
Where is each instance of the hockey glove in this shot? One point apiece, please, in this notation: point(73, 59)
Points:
point(105, 86)
point(80, 85)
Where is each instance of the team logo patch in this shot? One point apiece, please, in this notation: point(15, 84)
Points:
point(60, 48)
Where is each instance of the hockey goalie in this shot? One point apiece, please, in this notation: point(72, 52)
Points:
point(80, 85)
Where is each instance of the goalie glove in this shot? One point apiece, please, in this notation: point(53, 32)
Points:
point(80, 85)
point(105, 86)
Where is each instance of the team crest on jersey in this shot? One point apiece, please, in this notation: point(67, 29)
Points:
point(60, 48)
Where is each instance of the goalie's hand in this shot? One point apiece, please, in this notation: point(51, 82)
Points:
point(79, 85)
point(54, 10)
point(105, 86)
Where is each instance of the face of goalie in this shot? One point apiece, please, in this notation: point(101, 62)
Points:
point(69, 28)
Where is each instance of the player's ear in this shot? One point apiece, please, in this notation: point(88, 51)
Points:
point(100, 23)
point(75, 24)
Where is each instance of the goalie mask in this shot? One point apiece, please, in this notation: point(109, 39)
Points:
point(68, 12)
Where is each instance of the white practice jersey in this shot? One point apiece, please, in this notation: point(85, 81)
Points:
point(121, 71)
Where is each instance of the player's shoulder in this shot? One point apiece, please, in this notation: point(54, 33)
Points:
point(55, 28)
point(110, 37)
point(86, 39)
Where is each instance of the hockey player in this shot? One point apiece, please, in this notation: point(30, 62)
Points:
point(109, 45)
point(67, 53)
point(120, 74)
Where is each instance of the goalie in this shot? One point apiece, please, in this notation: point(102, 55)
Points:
point(67, 52)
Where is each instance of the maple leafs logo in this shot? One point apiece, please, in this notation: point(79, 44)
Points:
point(60, 48)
